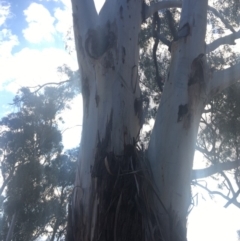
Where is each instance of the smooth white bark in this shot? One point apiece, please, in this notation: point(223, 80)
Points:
point(172, 143)
point(110, 87)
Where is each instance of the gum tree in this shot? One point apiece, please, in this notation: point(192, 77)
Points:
point(122, 192)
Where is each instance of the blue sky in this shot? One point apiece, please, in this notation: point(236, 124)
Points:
point(32, 46)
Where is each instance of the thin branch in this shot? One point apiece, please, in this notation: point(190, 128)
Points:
point(203, 150)
point(209, 171)
point(222, 79)
point(49, 83)
point(228, 39)
point(70, 128)
point(228, 182)
point(237, 204)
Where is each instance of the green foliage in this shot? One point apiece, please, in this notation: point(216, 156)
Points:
point(37, 173)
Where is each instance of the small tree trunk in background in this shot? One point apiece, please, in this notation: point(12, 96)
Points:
point(11, 228)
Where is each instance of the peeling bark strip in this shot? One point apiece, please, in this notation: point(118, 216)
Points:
point(102, 149)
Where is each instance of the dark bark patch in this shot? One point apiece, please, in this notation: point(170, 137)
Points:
point(123, 54)
point(184, 31)
point(85, 94)
point(197, 70)
point(98, 41)
point(182, 111)
point(134, 78)
point(143, 12)
point(108, 61)
point(97, 99)
point(121, 12)
point(138, 108)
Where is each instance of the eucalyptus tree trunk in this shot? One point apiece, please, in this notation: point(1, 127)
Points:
point(110, 200)
point(107, 50)
point(172, 143)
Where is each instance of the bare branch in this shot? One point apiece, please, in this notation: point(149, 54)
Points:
point(70, 128)
point(228, 39)
point(222, 79)
point(225, 22)
point(203, 150)
point(237, 204)
point(217, 168)
point(49, 83)
point(228, 182)
point(232, 199)
point(150, 10)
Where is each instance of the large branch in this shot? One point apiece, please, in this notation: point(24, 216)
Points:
point(222, 79)
point(228, 39)
point(84, 14)
point(209, 171)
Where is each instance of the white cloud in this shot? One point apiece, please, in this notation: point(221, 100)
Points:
point(7, 42)
point(40, 24)
point(64, 18)
point(31, 67)
point(73, 119)
point(4, 12)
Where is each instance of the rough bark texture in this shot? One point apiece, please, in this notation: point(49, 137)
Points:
point(103, 202)
point(110, 201)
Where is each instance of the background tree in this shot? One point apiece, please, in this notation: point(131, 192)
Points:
point(37, 173)
point(123, 192)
